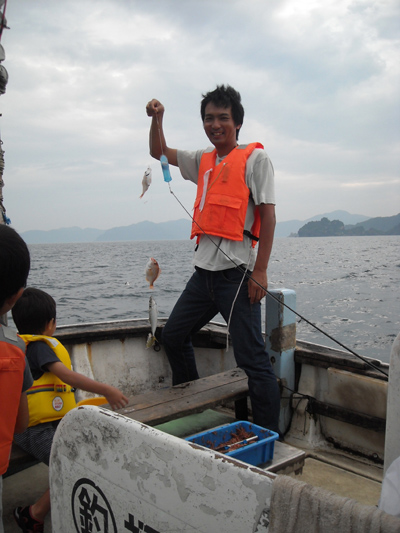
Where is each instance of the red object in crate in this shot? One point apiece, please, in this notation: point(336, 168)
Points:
point(257, 449)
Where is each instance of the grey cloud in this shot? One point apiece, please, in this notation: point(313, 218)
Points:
point(320, 89)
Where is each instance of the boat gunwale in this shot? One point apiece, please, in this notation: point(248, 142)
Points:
point(326, 357)
point(214, 335)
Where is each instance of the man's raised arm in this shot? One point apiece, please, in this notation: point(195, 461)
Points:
point(157, 143)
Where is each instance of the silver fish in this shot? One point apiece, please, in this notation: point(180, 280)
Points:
point(153, 315)
point(146, 181)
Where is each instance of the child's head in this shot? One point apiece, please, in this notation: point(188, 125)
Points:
point(14, 266)
point(33, 312)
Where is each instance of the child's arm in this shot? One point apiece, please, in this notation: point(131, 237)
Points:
point(114, 396)
point(23, 414)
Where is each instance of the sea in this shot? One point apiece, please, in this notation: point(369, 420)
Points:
point(346, 286)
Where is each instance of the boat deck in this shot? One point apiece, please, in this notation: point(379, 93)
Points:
point(25, 487)
point(335, 472)
point(340, 481)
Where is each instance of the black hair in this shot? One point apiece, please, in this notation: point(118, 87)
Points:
point(15, 263)
point(33, 311)
point(226, 97)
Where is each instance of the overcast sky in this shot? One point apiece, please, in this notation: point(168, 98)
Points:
point(319, 83)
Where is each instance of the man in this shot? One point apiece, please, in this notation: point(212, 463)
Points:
point(234, 209)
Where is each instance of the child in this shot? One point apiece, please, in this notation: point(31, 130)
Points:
point(15, 377)
point(49, 361)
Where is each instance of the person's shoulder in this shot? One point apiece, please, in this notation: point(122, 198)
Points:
point(257, 156)
point(191, 154)
point(260, 151)
point(39, 354)
point(11, 336)
point(8, 333)
point(38, 347)
point(189, 163)
point(258, 168)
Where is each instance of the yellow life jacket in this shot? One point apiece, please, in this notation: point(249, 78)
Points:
point(12, 366)
point(223, 196)
point(49, 398)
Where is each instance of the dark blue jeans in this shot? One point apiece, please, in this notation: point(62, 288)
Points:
point(206, 294)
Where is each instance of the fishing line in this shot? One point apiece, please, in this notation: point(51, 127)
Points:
point(234, 301)
point(163, 159)
point(245, 273)
point(167, 178)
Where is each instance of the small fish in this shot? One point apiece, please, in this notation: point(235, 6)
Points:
point(146, 181)
point(153, 270)
point(153, 314)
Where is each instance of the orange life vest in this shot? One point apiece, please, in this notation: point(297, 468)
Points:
point(223, 196)
point(12, 366)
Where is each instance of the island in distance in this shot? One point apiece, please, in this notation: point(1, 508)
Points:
point(180, 229)
point(336, 228)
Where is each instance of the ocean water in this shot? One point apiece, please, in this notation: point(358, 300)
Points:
point(347, 286)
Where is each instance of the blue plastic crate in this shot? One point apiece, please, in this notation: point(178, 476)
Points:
point(255, 453)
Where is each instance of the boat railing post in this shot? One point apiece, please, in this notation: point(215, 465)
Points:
point(280, 329)
point(392, 438)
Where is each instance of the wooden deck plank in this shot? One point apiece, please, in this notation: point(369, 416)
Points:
point(161, 406)
point(164, 405)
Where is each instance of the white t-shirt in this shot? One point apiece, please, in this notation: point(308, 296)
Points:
point(217, 253)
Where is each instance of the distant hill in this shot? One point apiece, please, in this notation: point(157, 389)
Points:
point(180, 229)
point(142, 231)
point(383, 224)
point(336, 228)
point(73, 234)
point(149, 231)
point(289, 227)
point(322, 228)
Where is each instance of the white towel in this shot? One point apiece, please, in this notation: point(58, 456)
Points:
point(298, 507)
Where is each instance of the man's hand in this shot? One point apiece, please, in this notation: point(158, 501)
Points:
point(157, 142)
point(155, 108)
point(267, 215)
point(257, 293)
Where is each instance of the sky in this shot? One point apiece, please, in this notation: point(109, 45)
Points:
point(320, 84)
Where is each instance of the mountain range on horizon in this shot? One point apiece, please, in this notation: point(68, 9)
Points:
point(171, 230)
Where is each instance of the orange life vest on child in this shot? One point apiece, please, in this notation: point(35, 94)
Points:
point(223, 196)
point(12, 366)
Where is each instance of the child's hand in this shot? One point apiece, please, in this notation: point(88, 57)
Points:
point(113, 395)
point(115, 398)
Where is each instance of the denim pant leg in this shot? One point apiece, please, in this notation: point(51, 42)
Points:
point(191, 312)
point(249, 347)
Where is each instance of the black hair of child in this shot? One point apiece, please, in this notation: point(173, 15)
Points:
point(33, 311)
point(15, 263)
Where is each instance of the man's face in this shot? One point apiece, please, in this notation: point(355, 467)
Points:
point(220, 128)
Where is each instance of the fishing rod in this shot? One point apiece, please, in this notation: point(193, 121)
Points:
point(167, 178)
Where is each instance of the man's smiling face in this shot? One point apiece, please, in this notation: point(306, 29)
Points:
point(220, 128)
